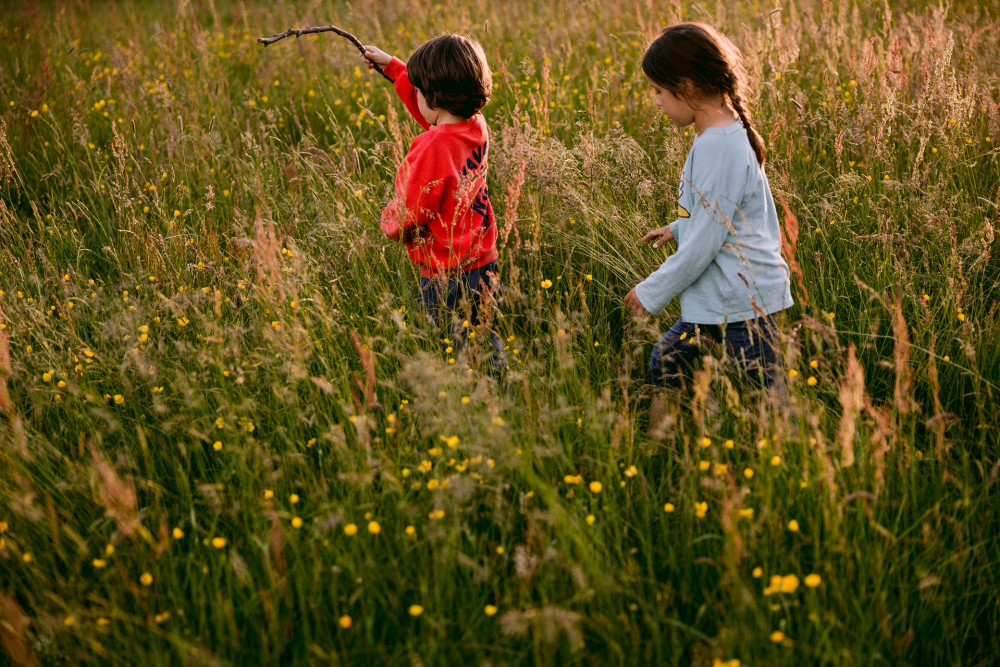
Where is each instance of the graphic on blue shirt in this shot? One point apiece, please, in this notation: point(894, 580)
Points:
point(681, 211)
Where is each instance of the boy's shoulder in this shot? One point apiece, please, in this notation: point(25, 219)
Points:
point(444, 149)
point(474, 129)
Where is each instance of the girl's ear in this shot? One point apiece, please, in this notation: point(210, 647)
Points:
point(686, 88)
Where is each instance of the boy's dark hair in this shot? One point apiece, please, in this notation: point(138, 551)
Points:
point(452, 73)
point(710, 64)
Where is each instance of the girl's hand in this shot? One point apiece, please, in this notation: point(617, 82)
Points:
point(658, 236)
point(633, 303)
point(375, 56)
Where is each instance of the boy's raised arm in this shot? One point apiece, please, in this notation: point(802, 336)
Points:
point(395, 69)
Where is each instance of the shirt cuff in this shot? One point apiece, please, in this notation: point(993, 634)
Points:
point(395, 68)
point(675, 229)
point(646, 296)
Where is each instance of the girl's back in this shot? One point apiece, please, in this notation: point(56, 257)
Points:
point(722, 185)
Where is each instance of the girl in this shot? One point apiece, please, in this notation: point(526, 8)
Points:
point(728, 269)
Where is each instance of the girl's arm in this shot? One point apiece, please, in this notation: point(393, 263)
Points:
point(717, 188)
point(657, 237)
point(702, 243)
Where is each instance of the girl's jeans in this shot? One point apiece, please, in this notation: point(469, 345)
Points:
point(443, 296)
point(753, 344)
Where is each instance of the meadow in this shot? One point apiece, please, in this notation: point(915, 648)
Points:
point(228, 436)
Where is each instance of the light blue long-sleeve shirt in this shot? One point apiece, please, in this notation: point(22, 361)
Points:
point(728, 265)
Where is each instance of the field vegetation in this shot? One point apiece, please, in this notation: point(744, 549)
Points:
point(227, 434)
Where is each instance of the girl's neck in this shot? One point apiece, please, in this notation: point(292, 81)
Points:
point(714, 113)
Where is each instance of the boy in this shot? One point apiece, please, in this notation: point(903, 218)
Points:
point(441, 210)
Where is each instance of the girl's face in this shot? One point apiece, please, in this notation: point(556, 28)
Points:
point(677, 110)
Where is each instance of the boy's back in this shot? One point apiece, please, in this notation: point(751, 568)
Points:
point(442, 209)
point(441, 191)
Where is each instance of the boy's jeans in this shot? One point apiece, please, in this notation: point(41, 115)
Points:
point(442, 296)
point(753, 344)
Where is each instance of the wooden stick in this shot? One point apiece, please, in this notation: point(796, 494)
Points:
point(326, 28)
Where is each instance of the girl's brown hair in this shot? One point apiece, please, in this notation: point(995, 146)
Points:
point(710, 64)
point(452, 73)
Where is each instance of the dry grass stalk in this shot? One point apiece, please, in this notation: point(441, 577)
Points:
point(8, 167)
point(512, 200)
point(118, 497)
point(545, 624)
point(852, 393)
point(939, 421)
point(904, 374)
point(5, 372)
point(367, 388)
point(882, 439)
point(266, 256)
point(789, 244)
point(14, 633)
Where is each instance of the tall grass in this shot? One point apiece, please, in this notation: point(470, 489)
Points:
point(227, 433)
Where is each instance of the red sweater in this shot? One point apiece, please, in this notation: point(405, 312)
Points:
point(442, 209)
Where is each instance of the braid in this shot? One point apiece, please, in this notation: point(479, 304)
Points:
point(756, 142)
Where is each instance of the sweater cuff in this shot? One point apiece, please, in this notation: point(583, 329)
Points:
point(395, 68)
